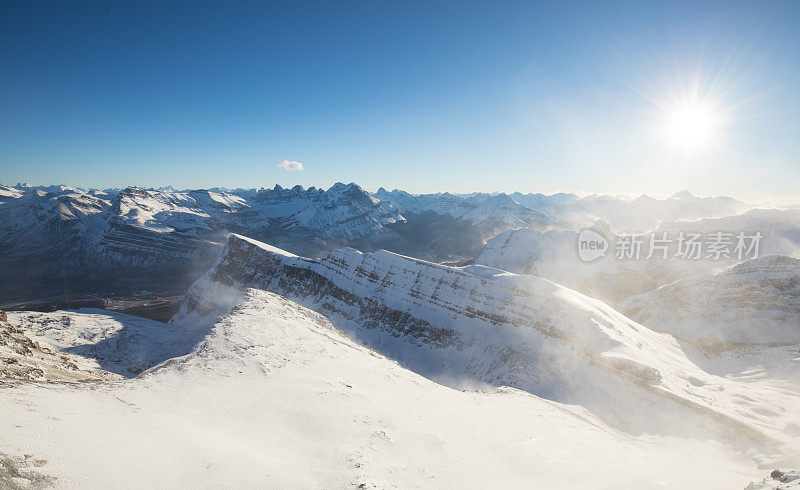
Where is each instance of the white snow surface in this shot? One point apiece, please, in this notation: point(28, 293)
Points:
point(755, 302)
point(276, 396)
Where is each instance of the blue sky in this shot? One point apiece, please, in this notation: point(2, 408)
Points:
point(424, 96)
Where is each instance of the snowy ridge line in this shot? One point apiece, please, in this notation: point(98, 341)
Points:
point(477, 324)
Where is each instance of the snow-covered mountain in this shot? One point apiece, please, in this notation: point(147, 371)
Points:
point(754, 302)
point(780, 228)
point(500, 209)
point(644, 213)
point(126, 240)
point(553, 254)
point(343, 211)
point(455, 227)
point(122, 241)
point(105, 240)
point(477, 325)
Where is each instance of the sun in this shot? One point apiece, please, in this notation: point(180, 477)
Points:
point(691, 126)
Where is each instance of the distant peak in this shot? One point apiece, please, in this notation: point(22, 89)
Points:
point(684, 194)
point(340, 187)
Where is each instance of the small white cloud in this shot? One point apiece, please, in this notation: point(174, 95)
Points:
point(290, 166)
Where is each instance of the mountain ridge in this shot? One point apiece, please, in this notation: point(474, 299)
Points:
point(519, 331)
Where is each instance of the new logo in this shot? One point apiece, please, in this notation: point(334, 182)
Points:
point(591, 245)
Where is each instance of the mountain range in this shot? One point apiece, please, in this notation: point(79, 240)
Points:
point(333, 337)
point(120, 243)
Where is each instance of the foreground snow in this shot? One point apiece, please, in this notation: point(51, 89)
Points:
point(276, 396)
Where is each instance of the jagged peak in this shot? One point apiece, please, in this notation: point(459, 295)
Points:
point(341, 187)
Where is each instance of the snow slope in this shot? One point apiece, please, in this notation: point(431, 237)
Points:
point(476, 325)
point(754, 302)
point(276, 396)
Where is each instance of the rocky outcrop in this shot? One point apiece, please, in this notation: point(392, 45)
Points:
point(24, 359)
point(777, 480)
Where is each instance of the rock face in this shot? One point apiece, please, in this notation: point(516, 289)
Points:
point(476, 324)
point(755, 302)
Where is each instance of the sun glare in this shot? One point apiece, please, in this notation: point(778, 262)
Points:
point(691, 126)
point(691, 118)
